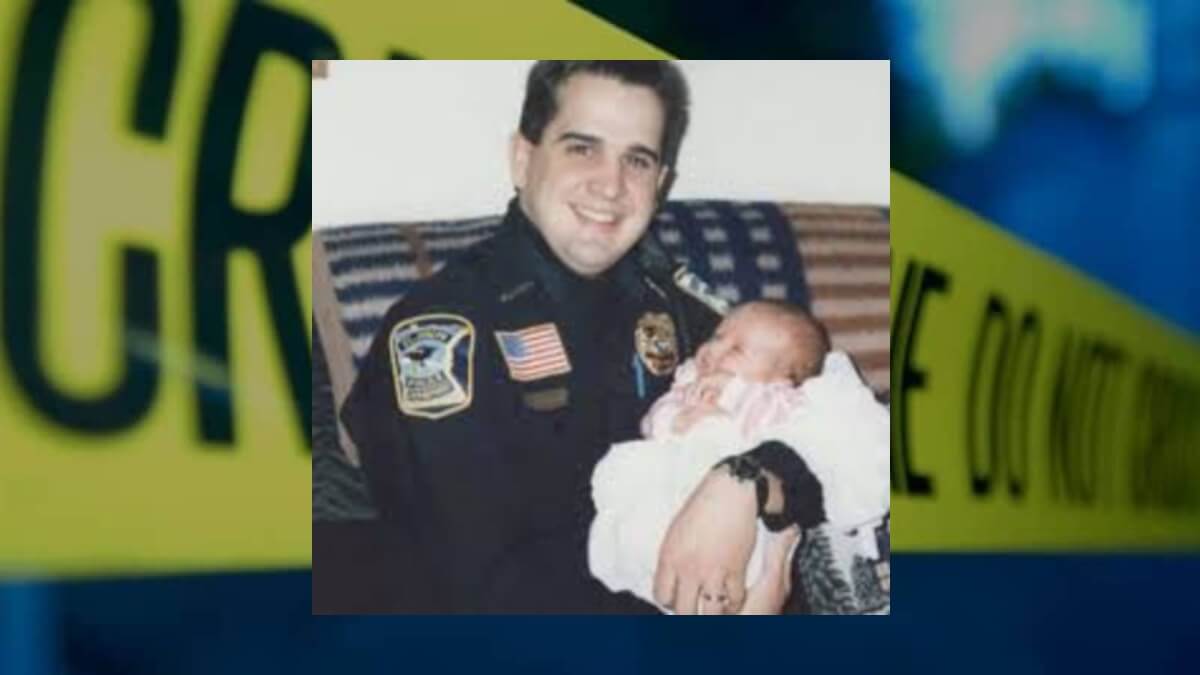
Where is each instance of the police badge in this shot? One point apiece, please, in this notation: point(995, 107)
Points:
point(432, 365)
point(655, 341)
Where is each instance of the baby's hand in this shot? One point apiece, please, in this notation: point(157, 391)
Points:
point(706, 390)
point(691, 415)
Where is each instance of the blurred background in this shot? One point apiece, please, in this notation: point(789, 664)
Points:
point(1073, 124)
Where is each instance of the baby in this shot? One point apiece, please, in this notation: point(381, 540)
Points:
point(766, 374)
point(747, 372)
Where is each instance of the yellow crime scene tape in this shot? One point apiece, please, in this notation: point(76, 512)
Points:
point(154, 234)
point(1032, 408)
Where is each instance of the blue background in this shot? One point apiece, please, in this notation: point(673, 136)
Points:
point(1084, 140)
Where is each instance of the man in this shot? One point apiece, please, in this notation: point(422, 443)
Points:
point(491, 392)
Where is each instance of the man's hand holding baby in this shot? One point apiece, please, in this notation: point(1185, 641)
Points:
point(708, 545)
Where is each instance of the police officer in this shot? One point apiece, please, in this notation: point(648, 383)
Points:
point(491, 391)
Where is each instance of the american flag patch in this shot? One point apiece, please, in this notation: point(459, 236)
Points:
point(533, 353)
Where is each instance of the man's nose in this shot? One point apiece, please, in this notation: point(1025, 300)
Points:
point(608, 180)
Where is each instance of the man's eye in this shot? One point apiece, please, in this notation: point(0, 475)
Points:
point(579, 149)
point(639, 162)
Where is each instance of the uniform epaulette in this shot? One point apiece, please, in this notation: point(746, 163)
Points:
point(694, 286)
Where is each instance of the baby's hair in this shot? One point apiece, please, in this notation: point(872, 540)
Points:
point(808, 329)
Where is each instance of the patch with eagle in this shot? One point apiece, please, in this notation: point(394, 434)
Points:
point(432, 364)
point(656, 343)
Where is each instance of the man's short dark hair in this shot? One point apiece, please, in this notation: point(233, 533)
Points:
point(664, 77)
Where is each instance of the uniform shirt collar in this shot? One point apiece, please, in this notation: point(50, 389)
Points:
point(532, 259)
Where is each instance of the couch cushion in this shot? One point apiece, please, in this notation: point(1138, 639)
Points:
point(339, 491)
point(847, 264)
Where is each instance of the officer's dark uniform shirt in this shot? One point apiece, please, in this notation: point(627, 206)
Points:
point(484, 462)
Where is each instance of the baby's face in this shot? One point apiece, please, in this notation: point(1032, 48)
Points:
point(749, 343)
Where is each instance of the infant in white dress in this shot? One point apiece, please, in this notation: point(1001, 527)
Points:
point(766, 374)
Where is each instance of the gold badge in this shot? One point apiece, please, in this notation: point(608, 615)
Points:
point(656, 343)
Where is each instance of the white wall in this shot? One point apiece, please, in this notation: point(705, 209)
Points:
point(405, 140)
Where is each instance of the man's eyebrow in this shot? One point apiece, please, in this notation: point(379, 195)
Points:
point(581, 137)
point(578, 136)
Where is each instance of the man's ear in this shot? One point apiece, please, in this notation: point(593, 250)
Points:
point(518, 159)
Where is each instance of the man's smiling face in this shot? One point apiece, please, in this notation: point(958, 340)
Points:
point(590, 186)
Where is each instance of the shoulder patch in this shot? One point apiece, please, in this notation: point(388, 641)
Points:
point(433, 364)
point(694, 286)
